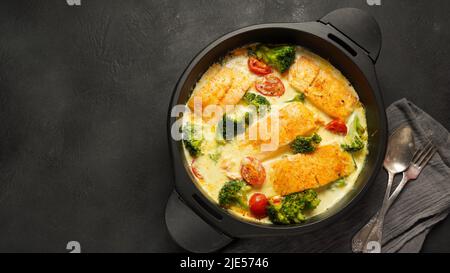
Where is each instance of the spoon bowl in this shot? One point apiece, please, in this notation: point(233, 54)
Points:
point(400, 150)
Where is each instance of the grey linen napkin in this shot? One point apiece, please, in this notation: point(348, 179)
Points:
point(423, 202)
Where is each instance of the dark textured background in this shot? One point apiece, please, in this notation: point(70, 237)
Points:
point(83, 102)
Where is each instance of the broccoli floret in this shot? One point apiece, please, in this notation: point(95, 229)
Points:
point(215, 156)
point(354, 140)
point(300, 97)
point(276, 216)
point(355, 145)
point(258, 101)
point(311, 200)
point(340, 183)
point(302, 200)
point(358, 127)
point(192, 139)
point(234, 193)
point(280, 57)
point(292, 207)
point(305, 144)
point(233, 125)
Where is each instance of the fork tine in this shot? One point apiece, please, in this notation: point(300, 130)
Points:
point(424, 154)
point(427, 157)
point(416, 153)
point(420, 152)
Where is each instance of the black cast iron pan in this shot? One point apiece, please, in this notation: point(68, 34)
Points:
point(351, 40)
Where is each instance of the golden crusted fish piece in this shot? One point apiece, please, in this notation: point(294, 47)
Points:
point(307, 171)
point(219, 86)
point(332, 94)
point(294, 119)
point(329, 92)
point(302, 73)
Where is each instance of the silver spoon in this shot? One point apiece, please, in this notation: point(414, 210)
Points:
point(398, 157)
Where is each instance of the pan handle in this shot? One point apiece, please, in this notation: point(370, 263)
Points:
point(189, 230)
point(358, 26)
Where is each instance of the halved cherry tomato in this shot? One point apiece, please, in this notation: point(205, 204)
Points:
point(258, 204)
point(253, 171)
point(337, 126)
point(195, 171)
point(270, 86)
point(258, 67)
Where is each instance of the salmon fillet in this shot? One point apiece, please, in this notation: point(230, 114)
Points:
point(306, 171)
point(302, 73)
point(219, 86)
point(327, 91)
point(332, 95)
point(294, 120)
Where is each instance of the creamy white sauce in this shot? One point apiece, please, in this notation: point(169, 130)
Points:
point(215, 172)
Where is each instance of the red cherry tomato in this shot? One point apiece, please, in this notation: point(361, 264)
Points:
point(270, 86)
point(258, 67)
point(253, 171)
point(195, 171)
point(258, 204)
point(337, 126)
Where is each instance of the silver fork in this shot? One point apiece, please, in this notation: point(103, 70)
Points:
point(419, 161)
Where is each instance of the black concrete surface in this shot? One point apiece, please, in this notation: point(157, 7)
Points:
point(83, 102)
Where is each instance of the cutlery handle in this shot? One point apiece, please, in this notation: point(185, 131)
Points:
point(398, 189)
point(359, 241)
point(375, 226)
